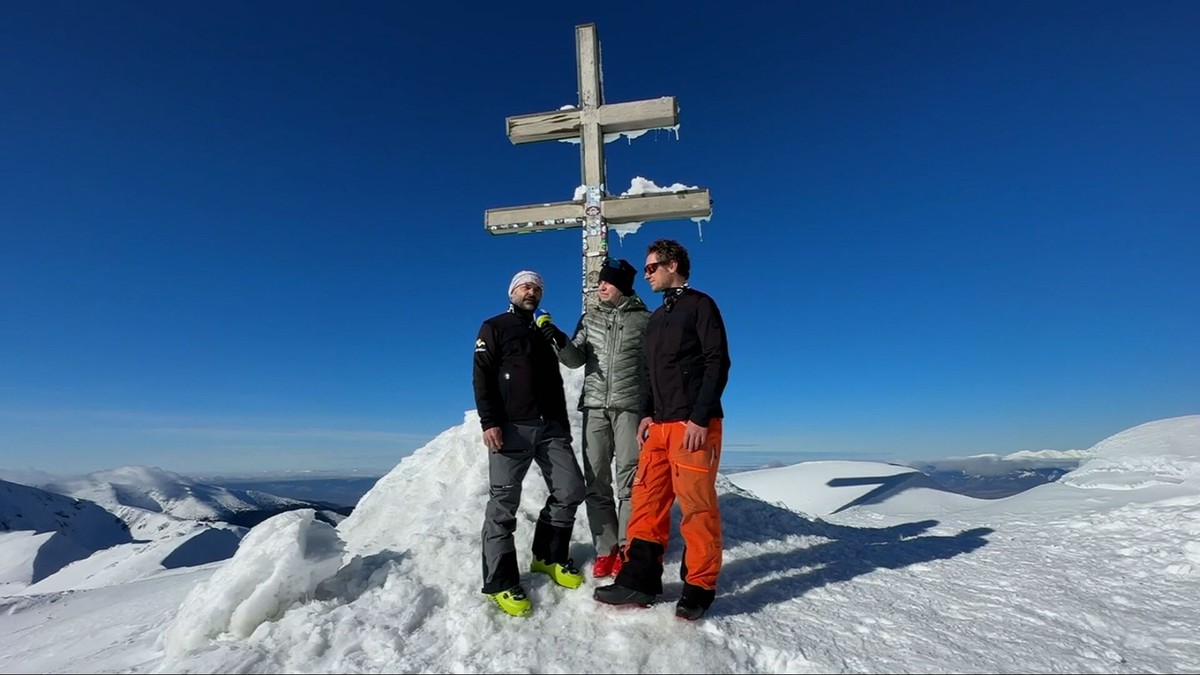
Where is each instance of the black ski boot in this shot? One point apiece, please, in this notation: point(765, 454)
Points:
point(621, 595)
point(688, 609)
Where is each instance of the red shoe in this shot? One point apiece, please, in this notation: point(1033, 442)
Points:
point(616, 567)
point(606, 565)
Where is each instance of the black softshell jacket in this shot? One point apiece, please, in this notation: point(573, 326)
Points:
point(516, 374)
point(687, 355)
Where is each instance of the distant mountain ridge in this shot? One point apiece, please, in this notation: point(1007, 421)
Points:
point(159, 491)
point(994, 486)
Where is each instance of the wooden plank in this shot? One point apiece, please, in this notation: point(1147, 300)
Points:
point(651, 113)
point(657, 206)
point(496, 219)
point(551, 126)
point(590, 99)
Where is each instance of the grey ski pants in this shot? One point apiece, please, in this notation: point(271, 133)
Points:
point(549, 444)
point(609, 435)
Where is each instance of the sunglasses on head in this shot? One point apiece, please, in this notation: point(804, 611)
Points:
point(651, 268)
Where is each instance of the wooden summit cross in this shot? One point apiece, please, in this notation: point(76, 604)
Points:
point(589, 123)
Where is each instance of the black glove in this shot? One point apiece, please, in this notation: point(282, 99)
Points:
point(554, 335)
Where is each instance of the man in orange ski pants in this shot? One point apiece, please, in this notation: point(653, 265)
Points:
point(687, 360)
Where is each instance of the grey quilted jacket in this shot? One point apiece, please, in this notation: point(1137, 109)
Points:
point(610, 343)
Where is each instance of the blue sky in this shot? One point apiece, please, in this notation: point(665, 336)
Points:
point(248, 236)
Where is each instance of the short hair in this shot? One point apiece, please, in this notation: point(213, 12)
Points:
point(668, 250)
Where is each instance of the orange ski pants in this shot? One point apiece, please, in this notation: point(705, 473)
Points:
point(666, 472)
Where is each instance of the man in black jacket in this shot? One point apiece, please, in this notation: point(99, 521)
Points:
point(523, 411)
point(687, 355)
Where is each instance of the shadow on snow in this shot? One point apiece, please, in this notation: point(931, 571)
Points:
point(752, 583)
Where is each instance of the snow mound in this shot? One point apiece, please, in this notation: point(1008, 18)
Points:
point(280, 563)
point(1155, 453)
point(411, 546)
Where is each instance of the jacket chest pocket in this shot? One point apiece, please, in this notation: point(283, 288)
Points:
point(516, 345)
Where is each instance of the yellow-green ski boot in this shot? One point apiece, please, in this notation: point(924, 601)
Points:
point(513, 601)
point(563, 574)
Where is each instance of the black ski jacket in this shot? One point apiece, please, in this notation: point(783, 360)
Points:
point(516, 374)
point(687, 355)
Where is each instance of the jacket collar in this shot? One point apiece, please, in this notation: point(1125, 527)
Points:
point(521, 313)
point(628, 303)
point(671, 296)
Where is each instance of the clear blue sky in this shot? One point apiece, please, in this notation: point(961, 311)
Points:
point(248, 235)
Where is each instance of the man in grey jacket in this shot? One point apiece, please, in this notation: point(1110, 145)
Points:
point(608, 343)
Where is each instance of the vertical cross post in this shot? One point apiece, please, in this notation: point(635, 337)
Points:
point(591, 158)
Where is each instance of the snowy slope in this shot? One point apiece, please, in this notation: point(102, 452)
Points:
point(201, 544)
point(41, 532)
point(111, 629)
point(1155, 453)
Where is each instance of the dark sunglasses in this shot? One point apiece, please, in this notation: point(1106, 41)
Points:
point(651, 268)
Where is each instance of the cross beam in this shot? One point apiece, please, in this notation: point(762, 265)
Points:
point(589, 123)
point(614, 211)
point(614, 117)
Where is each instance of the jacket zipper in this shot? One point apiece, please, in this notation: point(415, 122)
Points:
point(614, 339)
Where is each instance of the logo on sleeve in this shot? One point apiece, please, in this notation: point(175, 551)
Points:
point(480, 345)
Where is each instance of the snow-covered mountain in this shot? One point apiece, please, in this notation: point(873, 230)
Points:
point(162, 521)
point(51, 542)
point(156, 491)
point(41, 532)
